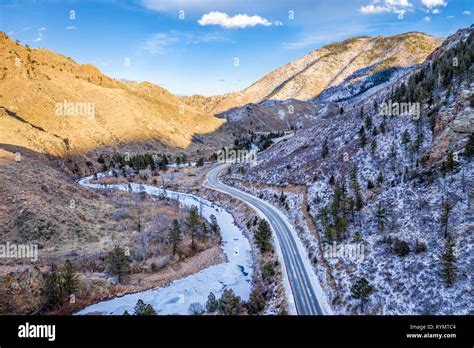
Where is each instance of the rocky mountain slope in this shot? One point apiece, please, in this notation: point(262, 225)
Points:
point(399, 185)
point(328, 66)
point(51, 104)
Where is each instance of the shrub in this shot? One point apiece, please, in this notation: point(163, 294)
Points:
point(400, 247)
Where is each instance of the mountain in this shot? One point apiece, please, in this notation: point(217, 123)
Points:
point(399, 184)
point(53, 105)
point(306, 77)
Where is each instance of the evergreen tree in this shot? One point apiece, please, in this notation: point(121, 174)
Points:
point(192, 221)
point(263, 236)
point(448, 262)
point(380, 179)
point(359, 202)
point(446, 210)
point(370, 184)
point(229, 303)
point(52, 289)
point(380, 215)
point(357, 237)
point(362, 137)
point(373, 146)
point(353, 179)
point(215, 229)
point(118, 264)
point(69, 279)
point(256, 303)
point(325, 149)
point(331, 180)
point(383, 127)
point(469, 149)
point(449, 164)
point(368, 122)
point(142, 308)
point(361, 290)
point(212, 303)
point(174, 236)
point(405, 137)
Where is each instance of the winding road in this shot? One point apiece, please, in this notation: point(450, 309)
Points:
point(306, 291)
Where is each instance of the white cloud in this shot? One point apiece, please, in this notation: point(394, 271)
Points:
point(71, 27)
point(369, 9)
point(435, 11)
point(40, 34)
point(467, 13)
point(427, 19)
point(450, 17)
point(400, 3)
point(399, 7)
point(158, 42)
point(238, 21)
point(434, 3)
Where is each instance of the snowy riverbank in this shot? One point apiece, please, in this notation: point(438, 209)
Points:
point(235, 274)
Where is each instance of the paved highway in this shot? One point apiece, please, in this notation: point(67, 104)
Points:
point(303, 291)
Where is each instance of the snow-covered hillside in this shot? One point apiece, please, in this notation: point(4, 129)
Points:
point(400, 185)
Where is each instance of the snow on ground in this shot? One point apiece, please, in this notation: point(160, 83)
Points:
point(235, 274)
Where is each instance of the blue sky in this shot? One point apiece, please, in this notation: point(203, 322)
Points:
point(192, 46)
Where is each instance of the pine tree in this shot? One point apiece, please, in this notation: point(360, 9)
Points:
point(449, 164)
point(361, 290)
point(263, 235)
point(383, 127)
point(380, 179)
point(142, 308)
point(118, 263)
point(370, 184)
point(215, 229)
point(368, 122)
point(445, 217)
point(373, 146)
point(405, 137)
point(353, 179)
point(52, 289)
point(448, 262)
point(192, 221)
point(362, 137)
point(469, 149)
point(229, 303)
point(380, 215)
point(359, 202)
point(325, 149)
point(212, 303)
point(69, 278)
point(174, 236)
point(256, 303)
point(357, 237)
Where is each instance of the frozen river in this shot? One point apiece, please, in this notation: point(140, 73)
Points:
point(175, 298)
